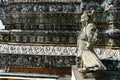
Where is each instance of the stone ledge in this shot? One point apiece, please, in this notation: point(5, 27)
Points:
point(97, 75)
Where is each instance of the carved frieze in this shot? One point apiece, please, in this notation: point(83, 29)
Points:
point(107, 54)
point(37, 50)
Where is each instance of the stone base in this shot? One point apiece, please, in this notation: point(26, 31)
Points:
point(101, 75)
point(97, 75)
point(27, 76)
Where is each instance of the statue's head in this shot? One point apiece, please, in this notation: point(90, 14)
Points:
point(84, 16)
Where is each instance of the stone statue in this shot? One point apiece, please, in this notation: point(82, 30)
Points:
point(86, 40)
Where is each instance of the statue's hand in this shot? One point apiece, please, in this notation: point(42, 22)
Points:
point(93, 11)
point(88, 45)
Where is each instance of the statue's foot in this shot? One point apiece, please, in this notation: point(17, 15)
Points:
point(94, 69)
point(83, 70)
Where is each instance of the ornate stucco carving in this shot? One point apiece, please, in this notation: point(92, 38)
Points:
point(108, 54)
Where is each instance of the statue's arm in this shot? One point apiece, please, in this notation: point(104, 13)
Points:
point(85, 42)
point(92, 13)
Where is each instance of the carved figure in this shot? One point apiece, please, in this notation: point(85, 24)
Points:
point(86, 41)
point(108, 4)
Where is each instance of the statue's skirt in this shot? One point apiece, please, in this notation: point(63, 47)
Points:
point(91, 61)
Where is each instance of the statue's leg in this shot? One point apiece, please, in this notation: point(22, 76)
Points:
point(91, 61)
